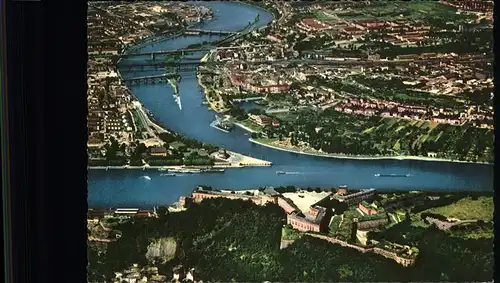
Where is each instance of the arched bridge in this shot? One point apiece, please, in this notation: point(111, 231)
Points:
point(163, 78)
point(166, 52)
point(205, 31)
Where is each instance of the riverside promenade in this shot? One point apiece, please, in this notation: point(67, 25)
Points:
point(233, 160)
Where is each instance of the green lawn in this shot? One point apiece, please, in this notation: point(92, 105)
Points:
point(334, 224)
point(345, 229)
point(250, 124)
point(480, 209)
point(138, 122)
point(201, 152)
point(176, 145)
point(416, 10)
point(288, 233)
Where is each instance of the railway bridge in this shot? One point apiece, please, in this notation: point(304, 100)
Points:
point(209, 32)
point(156, 79)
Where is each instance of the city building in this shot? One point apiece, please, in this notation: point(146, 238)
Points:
point(367, 208)
point(158, 151)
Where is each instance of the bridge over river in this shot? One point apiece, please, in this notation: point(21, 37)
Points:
point(210, 32)
point(163, 78)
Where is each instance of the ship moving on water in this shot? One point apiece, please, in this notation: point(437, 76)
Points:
point(185, 170)
point(168, 175)
point(221, 125)
point(196, 170)
point(287, 173)
point(392, 175)
point(213, 170)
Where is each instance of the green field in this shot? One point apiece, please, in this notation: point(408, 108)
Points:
point(344, 232)
point(481, 208)
point(334, 224)
point(414, 10)
point(362, 136)
point(325, 15)
point(288, 233)
point(250, 124)
point(138, 122)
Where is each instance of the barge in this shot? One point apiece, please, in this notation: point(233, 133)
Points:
point(392, 175)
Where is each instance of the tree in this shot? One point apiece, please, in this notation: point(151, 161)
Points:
point(345, 272)
point(123, 147)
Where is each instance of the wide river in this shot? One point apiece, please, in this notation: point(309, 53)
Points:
point(119, 188)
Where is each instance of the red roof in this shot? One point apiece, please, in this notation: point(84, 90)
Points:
point(282, 87)
point(347, 29)
point(237, 80)
point(314, 23)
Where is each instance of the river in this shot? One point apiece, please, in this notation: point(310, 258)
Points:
point(119, 188)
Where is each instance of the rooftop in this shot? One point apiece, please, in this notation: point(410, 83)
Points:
point(303, 199)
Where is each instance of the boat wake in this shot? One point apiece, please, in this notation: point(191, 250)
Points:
point(392, 175)
point(177, 99)
point(288, 173)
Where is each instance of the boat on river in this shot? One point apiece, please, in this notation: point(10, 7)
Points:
point(287, 173)
point(392, 175)
point(185, 170)
point(213, 170)
point(168, 175)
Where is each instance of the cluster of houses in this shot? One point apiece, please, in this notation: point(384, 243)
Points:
point(263, 120)
point(471, 5)
point(137, 274)
point(110, 107)
point(108, 102)
point(446, 78)
point(243, 82)
point(381, 108)
point(312, 25)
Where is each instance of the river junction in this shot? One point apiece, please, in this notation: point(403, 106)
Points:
point(119, 188)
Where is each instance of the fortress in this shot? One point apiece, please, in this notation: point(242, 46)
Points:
point(315, 220)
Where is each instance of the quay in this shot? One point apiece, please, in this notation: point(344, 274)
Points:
point(235, 161)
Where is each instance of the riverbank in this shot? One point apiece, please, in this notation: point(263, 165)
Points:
point(258, 6)
point(238, 159)
point(339, 156)
point(129, 167)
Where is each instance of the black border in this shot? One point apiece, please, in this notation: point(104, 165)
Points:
point(46, 75)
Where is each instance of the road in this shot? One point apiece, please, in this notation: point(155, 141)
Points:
point(151, 127)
